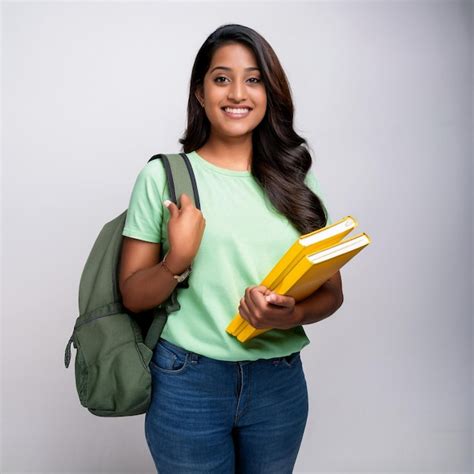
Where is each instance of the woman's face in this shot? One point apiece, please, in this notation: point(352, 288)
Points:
point(233, 80)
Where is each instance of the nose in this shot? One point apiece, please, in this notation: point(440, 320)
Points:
point(237, 92)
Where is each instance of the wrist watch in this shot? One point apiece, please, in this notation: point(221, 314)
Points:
point(179, 278)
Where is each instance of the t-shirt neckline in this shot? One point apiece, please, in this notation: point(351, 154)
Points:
point(211, 166)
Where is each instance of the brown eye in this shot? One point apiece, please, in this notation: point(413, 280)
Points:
point(219, 77)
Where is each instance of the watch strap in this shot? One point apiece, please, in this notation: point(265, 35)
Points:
point(180, 277)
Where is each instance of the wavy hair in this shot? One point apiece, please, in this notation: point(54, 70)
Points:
point(280, 157)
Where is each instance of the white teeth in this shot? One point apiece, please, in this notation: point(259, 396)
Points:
point(236, 111)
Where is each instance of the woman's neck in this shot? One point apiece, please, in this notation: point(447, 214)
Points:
point(237, 157)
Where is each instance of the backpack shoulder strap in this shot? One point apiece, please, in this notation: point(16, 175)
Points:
point(180, 177)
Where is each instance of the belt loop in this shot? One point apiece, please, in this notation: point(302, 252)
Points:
point(194, 357)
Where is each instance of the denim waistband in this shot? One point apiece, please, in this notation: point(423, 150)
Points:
point(196, 356)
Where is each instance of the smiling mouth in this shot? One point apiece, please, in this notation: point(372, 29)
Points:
point(236, 112)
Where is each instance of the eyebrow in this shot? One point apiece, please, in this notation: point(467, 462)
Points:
point(230, 69)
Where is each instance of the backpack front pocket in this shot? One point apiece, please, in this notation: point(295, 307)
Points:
point(112, 366)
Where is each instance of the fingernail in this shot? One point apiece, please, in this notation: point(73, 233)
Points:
point(167, 202)
point(270, 298)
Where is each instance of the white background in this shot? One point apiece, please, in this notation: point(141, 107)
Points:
point(383, 94)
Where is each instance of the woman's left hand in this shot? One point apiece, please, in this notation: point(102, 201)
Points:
point(263, 314)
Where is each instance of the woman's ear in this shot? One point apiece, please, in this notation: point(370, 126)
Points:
point(198, 95)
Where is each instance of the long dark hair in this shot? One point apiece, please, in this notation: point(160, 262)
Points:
point(280, 157)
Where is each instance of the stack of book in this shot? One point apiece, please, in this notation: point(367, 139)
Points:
point(306, 265)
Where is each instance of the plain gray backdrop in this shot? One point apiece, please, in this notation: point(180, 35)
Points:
point(382, 93)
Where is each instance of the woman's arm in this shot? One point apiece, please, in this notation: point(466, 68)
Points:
point(326, 300)
point(144, 283)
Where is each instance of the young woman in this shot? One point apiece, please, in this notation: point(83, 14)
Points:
point(219, 405)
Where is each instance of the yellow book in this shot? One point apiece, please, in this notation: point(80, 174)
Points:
point(312, 272)
point(305, 245)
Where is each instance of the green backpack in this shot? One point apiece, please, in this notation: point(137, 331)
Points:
point(114, 345)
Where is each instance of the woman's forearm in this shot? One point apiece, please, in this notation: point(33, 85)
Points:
point(148, 288)
point(321, 304)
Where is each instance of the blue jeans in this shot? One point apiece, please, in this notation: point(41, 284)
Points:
point(211, 416)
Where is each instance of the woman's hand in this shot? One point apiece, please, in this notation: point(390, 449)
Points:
point(185, 229)
point(263, 314)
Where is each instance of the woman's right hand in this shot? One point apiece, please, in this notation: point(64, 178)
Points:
point(185, 230)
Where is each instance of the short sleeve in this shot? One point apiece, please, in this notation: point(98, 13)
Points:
point(145, 209)
point(313, 184)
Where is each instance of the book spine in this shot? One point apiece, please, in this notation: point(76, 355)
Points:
point(236, 325)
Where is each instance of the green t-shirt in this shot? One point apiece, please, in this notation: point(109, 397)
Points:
point(243, 239)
